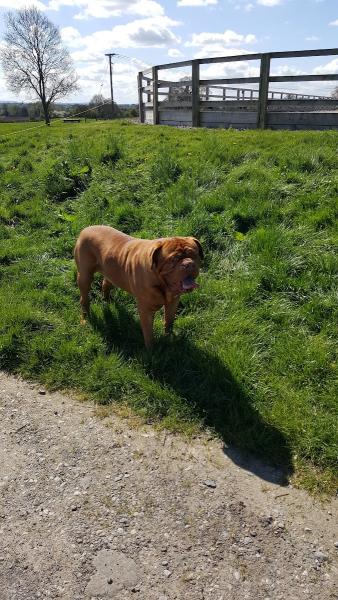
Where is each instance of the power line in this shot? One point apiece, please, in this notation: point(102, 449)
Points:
point(132, 59)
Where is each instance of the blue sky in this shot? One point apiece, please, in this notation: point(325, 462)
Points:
point(156, 31)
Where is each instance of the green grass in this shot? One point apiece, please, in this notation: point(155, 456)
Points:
point(254, 355)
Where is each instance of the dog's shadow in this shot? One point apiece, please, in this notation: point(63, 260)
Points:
point(208, 386)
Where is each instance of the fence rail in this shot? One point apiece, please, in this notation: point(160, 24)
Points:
point(193, 101)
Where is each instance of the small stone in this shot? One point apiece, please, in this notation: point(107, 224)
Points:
point(266, 520)
point(210, 483)
point(164, 563)
point(166, 573)
point(307, 530)
point(320, 556)
point(42, 392)
point(336, 544)
point(109, 581)
point(74, 507)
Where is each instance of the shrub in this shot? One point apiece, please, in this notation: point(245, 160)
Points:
point(66, 181)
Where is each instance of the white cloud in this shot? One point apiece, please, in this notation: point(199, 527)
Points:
point(269, 2)
point(213, 50)
point(246, 7)
point(239, 69)
point(141, 33)
point(174, 52)
point(226, 38)
point(196, 2)
point(312, 38)
point(284, 70)
point(335, 23)
point(17, 4)
point(328, 68)
point(102, 9)
point(70, 35)
point(151, 32)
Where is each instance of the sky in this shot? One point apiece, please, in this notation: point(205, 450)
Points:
point(150, 32)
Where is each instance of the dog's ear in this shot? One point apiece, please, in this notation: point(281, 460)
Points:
point(155, 254)
point(198, 244)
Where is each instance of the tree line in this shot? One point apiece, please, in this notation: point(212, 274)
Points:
point(33, 111)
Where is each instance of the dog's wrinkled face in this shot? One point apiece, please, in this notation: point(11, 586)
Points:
point(177, 262)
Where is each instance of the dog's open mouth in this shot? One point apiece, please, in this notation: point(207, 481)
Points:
point(188, 284)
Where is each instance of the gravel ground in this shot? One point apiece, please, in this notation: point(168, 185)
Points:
point(94, 508)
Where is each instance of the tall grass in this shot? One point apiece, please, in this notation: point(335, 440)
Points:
point(254, 355)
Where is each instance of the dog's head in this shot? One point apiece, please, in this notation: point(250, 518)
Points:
point(177, 261)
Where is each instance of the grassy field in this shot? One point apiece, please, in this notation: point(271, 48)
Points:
point(254, 355)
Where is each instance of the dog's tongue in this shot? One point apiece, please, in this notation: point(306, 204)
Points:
point(189, 284)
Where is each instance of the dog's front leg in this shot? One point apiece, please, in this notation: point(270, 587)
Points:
point(147, 315)
point(170, 309)
point(84, 281)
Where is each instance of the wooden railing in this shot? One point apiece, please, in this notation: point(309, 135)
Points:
point(199, 89)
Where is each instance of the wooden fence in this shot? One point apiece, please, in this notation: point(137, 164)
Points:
point(197, 102)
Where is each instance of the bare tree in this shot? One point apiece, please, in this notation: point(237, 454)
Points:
point(334, 93)
point(181, 90)
point(98, 111)
point(34, 59)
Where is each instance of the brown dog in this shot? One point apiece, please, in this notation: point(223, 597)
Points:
point(156, 272)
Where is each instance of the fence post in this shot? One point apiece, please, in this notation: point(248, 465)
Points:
point(263, 91)
point(140, 97)
point(155, 95)
point(195, 92)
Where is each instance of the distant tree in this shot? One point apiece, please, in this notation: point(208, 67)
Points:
point(4, 110)
point(23, 110)
point(35, 111)
point(34, 60)
point(181, 91)
point(334, 93)
point(13, 110)
point(133, 112)
point(104, 108)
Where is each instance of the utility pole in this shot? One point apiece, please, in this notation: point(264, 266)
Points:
point(110, 54)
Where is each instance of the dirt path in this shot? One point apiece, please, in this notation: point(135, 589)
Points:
point(94, 509)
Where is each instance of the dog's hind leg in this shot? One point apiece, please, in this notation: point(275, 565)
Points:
point(106, 288)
